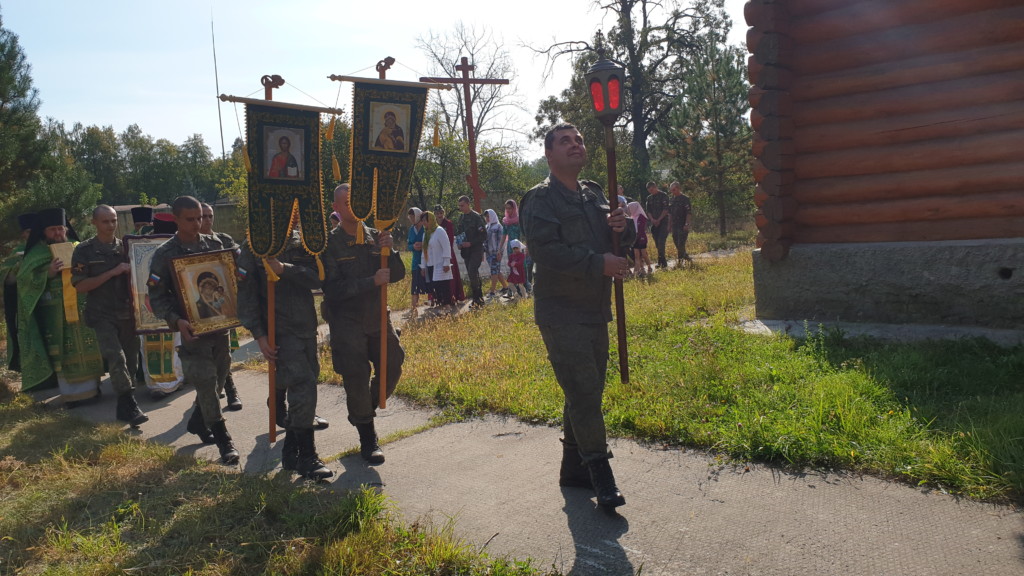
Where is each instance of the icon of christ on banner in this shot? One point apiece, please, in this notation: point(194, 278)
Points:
point(285, 163)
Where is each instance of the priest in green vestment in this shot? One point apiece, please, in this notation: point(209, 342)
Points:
point(9, 276)
point(55, 342)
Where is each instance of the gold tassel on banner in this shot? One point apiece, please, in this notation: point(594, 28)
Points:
point(319, 267)
point(437, 135)
point(245, 158)
point(335, 168)
point(330, 130)
point(70, 297)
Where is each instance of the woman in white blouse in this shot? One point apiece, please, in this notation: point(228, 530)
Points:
point(436, 263)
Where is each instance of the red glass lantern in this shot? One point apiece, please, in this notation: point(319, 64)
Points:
point(604, 79)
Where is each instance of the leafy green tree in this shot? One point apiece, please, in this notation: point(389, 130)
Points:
point(61, 183)
point(709, 142)
point(22, 151)
point(231, 179)
point(440, 173)
point(98, 151)
point(341, 148)
point(652, 40)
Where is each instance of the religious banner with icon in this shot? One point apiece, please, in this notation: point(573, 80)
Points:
point(386, 128)
point(284, 176)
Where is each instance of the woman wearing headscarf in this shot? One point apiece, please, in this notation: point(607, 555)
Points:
point(514, 232)
point(458, 294)
point(640, 258)
point(415, 245)
point(493, 248)
point(437, 261)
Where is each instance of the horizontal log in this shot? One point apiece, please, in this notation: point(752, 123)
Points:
point(759, 169)
point(773, 49)
point(769, 77)
point(974, 206)
point(819, 21)
point(897, 72)
point(775, 183)
point(949, 95)
point(760, 196)
point(963, 33)
point(768, 17)
point(773, 230)
point(774, 251)
point(935, 125)
point(760, 220)
point(938, 182)
point(773, 127)
point(759, 240)
point(763, 191)
point(972, 150)
point(780, 209)
point(772, 103)
point(778, 155)
point(974, 229)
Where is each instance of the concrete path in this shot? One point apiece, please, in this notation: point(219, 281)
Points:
point(685, 513)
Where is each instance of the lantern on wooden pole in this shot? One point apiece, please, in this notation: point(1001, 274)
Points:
point(604, 84)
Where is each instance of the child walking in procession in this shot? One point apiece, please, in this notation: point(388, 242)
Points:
point(516, 270)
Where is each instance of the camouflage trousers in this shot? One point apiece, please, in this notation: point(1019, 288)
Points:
point(119, 346)
point(660, 234)
point(298, 368)
point(579, 357)
point(353, 353)
point(679, 237)
point(205, 362)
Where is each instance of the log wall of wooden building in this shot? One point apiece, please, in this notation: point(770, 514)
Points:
point(886, 120)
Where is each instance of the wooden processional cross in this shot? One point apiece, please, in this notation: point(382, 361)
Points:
point(465, 67)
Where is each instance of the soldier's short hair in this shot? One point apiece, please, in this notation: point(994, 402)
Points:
point(101, 208)
point(185, 203)
point(549, 137)
point(463, 199)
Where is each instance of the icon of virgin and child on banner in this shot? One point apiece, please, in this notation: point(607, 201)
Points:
point(386, 127)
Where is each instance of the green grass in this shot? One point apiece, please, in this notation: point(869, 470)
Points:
point(85, 499)
point(945, 414)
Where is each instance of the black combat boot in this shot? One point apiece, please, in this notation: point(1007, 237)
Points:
point(573, 474)
point(281, 407)
point(290, 450)
point(608, 495)
point(234, 402)
point(197, 426)
point(368, 447)
point(128, 410)
point(228, 454)
point(310, 465)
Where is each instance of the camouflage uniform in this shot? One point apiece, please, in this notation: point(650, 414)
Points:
point(471, 226)
point(352, 309)
point(657, 204)
point(679, 209)
point(295, 322)
point(207, 359)
point(572, 299)
point(108, 309)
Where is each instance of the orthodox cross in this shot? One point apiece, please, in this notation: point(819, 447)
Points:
point(465, 67)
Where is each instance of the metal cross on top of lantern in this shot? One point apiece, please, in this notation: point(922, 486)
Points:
point(604, 82)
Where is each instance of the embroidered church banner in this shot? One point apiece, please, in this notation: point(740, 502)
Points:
point(284, 175)
point(386, 127)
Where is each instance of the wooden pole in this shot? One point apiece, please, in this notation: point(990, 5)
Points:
point(269, 83)
point(385, 253)
point(620, 302)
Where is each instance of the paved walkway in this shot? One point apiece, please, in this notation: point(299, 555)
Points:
point(685, 512)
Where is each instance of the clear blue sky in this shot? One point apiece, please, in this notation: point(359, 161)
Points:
point(122, 62)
